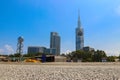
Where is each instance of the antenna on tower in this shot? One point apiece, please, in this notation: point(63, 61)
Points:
point(79, 12)
point(20, 47)
point(79, 22)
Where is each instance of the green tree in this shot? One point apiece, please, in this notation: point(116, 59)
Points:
point(17, 55)
point(87, 56)
point(98, 56)
point(119, 57)
point(111, 58)
point(11, 55)
point(38, 54)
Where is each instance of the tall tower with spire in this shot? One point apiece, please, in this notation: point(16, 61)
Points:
point(79, 35)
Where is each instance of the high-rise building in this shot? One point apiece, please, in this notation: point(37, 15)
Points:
point(51, 51)
point(79, 35)
point(55, 42)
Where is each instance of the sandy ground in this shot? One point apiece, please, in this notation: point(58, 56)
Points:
point(59, 71)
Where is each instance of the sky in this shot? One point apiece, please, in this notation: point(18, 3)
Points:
point(35, 19)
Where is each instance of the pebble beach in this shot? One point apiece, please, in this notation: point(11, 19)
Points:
point(59, 71)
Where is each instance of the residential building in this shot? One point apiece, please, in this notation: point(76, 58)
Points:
point(55, 42)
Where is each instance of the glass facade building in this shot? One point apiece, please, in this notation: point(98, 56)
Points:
point(79, 36)
point(51, 51)
point(55, 42)
point(36, 49)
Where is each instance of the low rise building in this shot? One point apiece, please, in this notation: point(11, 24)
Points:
point(36, 49)
point(60, 59)
point(87, 48)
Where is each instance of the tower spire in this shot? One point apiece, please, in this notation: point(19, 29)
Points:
point(79, 34)
point(79, 22)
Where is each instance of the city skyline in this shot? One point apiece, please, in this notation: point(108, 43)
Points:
point(35, 19)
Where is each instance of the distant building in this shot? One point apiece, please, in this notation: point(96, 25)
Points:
point(79, 36)
point(3, 58)
point(51, 51)
point(55, 42)
point(60, 59)
point(87, 48)
point(36, 49)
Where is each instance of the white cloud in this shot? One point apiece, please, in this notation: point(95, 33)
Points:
point(117, 10)
point(67, 52)
point(9, 49)
point(1, 51)
point(112, 52)
point(67, 46)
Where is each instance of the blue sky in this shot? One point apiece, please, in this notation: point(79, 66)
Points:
point(35, 19)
